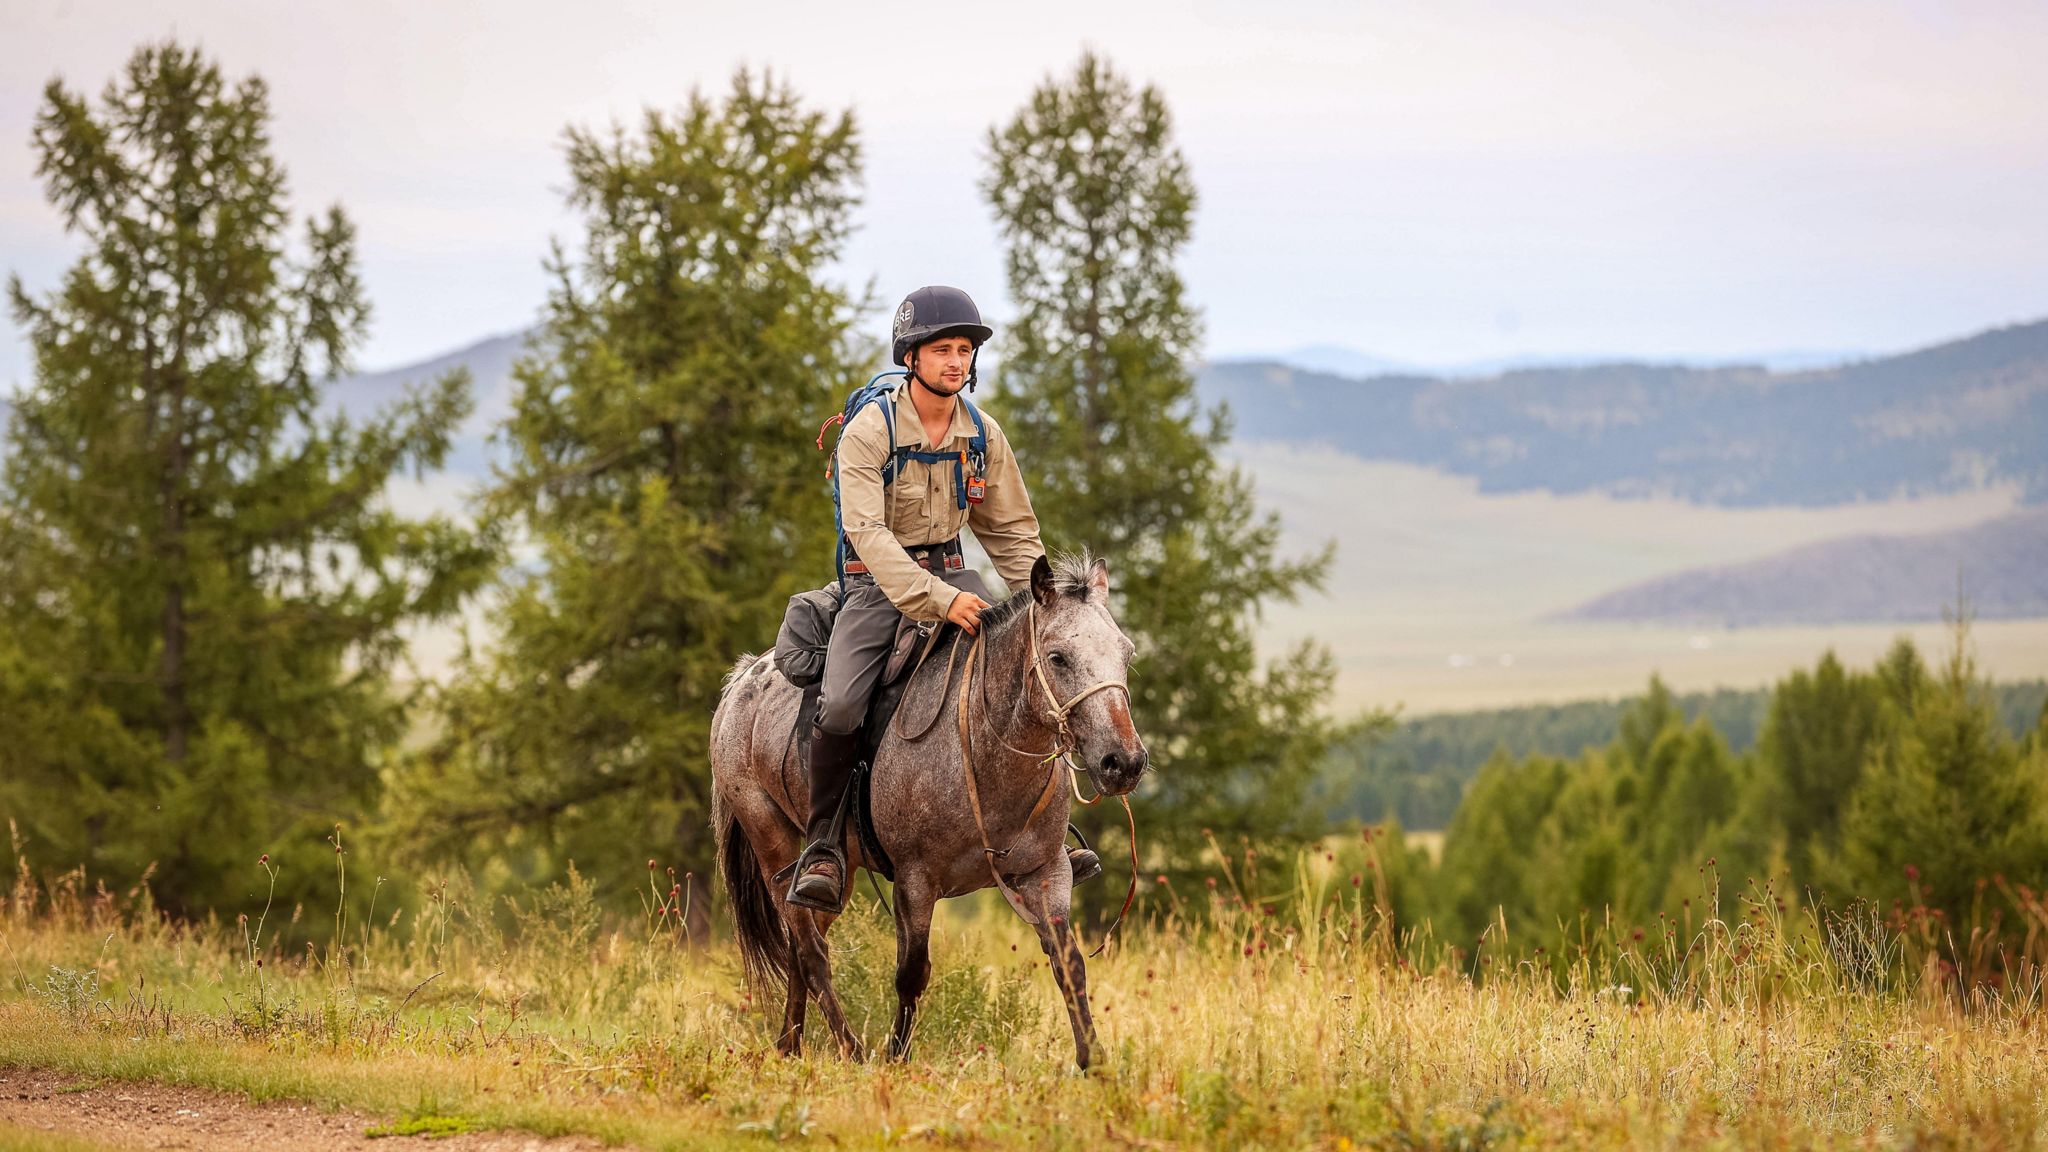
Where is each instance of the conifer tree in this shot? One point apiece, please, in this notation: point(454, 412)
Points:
point(1947, 800)
point(202, 579)
point(1094, 202)
point(662, 477)
point(1815, 741)
point(1486, 871)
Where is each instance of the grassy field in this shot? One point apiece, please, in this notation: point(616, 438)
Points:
point(1289, 1019)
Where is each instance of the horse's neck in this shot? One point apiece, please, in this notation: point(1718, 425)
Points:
point(1008, 717)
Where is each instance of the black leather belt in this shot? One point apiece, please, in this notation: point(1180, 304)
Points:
point(945, 554)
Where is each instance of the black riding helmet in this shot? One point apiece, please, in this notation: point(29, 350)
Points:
point(932, 312)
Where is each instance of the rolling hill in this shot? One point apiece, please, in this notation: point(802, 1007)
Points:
point(2002, 567)
point(1962, 415)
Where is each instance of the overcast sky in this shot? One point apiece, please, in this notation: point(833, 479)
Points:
point(1433, 182)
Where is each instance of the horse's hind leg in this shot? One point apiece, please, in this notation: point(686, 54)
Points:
point(791, 1042)
point(914, 903)
point(807, 930)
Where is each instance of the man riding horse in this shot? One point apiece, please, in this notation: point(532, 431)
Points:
point(902, 505)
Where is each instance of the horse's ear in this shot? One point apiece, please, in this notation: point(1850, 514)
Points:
point(1041, 582)
point(1098, 580)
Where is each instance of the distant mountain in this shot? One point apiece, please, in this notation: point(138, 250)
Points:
point(489, 362)
point(1338, 360)
point(1957, 416)
point(2002, 565)
point(490, 369)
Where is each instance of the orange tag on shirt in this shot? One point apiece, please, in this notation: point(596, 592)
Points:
point(977, 489)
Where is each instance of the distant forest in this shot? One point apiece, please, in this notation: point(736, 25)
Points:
point(1908, 796)
point(1957, 416)
point(1417, 773)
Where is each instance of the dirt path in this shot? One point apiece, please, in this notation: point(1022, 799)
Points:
point(143, 1115)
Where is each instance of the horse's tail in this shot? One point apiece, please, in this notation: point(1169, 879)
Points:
point(764, 940)
point(765, 952)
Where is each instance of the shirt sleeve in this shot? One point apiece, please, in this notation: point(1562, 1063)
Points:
point(1003, 521)
point(863, 505)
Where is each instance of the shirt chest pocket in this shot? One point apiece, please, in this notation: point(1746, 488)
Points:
point(921, 503)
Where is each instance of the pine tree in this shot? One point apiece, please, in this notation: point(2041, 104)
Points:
point(204, 584)
point(1814, 744)
point(1947, 799)
point(663, 475)
point(1094, 201)
point(1486, 870)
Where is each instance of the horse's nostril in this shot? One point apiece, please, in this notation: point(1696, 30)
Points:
point(1111, 763)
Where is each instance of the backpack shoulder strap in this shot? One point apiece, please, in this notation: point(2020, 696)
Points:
point(978, 445)
point(886, 399)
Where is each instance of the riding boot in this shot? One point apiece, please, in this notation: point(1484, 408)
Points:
point(1085, 863)
point(820, 881)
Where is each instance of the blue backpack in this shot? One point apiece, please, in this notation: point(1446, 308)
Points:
point(876, 392)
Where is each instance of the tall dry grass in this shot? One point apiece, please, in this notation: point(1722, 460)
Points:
point(1277, 1009)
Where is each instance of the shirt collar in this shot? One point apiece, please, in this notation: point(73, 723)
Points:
point(910, 429)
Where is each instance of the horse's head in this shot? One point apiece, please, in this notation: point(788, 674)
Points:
point(1085, 660)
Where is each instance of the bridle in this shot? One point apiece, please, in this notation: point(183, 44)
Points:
point(1061, 750)
point(1056, 713)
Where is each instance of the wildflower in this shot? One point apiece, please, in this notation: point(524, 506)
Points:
point(1162, 877)
point(1357, 880)
point(650, 864)
point(263, 859)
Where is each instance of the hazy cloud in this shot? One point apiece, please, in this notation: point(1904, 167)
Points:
point(1655, 179)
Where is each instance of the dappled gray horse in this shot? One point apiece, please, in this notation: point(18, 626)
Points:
point(1041, 686)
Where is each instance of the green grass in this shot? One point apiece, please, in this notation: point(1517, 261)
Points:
point(15, 1138)
point(1306, 1026)
point(429, 1125)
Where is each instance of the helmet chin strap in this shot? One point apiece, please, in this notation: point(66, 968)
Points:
point(973, 363)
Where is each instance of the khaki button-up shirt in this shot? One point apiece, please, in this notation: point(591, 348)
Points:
point(921, 506)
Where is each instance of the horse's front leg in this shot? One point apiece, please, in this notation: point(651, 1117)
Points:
point(1048, 894)
point(915, 899)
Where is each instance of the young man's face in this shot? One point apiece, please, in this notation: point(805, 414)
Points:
point(943, 363)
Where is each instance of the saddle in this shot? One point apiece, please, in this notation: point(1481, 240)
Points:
point(800, 656)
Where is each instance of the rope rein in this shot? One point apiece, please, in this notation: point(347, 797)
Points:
point(1061, 752)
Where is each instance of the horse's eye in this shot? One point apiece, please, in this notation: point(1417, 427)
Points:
point(1059, 659)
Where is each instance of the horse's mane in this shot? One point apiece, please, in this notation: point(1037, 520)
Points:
point(1069, 578)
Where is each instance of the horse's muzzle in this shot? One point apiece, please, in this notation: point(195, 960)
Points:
point(1119, 771)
